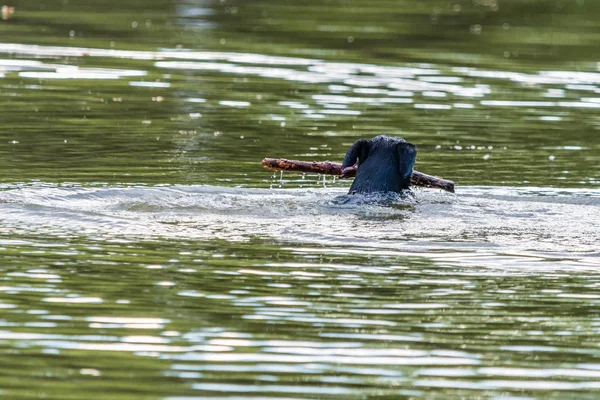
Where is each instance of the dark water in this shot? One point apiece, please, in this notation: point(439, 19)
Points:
point(146, 254)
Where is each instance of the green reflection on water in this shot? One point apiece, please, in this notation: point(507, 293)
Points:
point(115, 132)
point(151, 319)
point(129, 318)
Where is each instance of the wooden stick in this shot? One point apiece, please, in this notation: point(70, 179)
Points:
point(331, 168)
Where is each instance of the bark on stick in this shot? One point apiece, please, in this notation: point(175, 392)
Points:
point(332, 168)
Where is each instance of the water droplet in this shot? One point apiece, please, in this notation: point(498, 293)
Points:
point(476, 29)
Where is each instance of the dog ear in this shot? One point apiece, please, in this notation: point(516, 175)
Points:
point(357, 154)
point(408, 154)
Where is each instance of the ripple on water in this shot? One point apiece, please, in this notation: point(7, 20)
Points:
point(457, 292)
point(372, 85)
point(532, 222)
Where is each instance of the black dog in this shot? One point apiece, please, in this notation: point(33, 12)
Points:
point(385, 164)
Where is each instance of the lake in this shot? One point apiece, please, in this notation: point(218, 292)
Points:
point(147, 254)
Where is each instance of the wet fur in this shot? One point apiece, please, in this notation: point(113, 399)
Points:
point(385, 164)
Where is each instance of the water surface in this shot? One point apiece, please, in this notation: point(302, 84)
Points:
point(147, 254)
